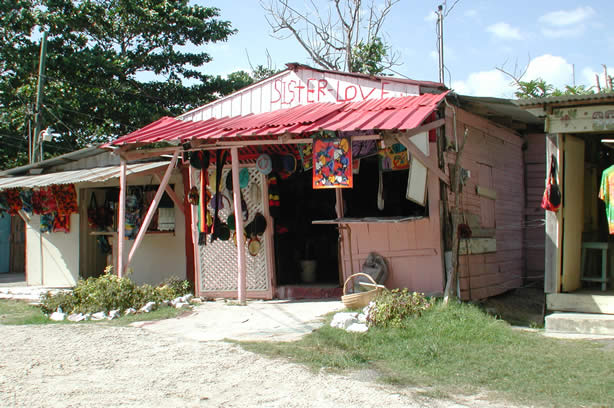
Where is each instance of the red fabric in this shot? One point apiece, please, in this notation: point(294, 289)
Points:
point(43, 201)
point(14, 201)
point(66, 198)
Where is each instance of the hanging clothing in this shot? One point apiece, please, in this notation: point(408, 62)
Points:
point(606, 193)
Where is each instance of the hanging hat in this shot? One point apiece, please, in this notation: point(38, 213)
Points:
point(288, 163)
point(254, 194)
point(199, 160)
point(231, 221)
point(217, 201)
point(257, 226)
point(253, 246)
point(193, 196)
point(223, 231)
point(243, 177)
point(264, 164)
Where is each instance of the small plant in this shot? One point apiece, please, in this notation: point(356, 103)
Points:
point(391, 308)
point(110, 292)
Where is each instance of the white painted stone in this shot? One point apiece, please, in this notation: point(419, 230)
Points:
point(130, 311)
point(148, 307)
point(181, 305)
point(113, 314)
point(76, 317)
point(362, 318)
point(99, 316)
point(343, 320)
point(57, 316)
point(357, 328)
point(187, 298)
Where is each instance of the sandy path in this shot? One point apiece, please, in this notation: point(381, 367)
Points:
point(94, 366)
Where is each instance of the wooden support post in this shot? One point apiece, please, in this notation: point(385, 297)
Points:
point(121, 218)
point(194, 210)
point(171, 193)
point(236, 192)
point(152, 208)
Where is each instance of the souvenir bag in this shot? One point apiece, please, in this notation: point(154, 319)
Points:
point(92, 213)
point(551, 200)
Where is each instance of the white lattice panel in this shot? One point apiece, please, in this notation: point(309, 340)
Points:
point(219, 268)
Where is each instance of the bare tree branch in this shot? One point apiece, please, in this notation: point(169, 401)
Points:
point(330, 36)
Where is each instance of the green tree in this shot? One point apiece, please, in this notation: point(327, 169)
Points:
point(112, 66)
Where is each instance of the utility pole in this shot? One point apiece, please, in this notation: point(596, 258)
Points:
point(440, 32)
point(37, 148)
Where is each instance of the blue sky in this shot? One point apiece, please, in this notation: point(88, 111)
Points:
point(480, 35)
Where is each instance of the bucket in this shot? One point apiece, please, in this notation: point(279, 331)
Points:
point(308, 270)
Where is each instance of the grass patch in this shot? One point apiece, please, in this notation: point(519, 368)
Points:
point(13, 312)
point(460, 349)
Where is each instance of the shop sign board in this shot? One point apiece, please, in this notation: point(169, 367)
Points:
point(581, 119)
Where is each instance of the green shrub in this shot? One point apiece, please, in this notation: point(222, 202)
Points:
point(109, 292)
point(391, 308)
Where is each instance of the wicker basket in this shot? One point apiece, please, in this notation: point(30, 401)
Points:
point(358, 300)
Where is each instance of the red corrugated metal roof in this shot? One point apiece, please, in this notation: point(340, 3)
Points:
point(401, 113)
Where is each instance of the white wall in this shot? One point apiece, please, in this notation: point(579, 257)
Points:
point(161, 256)
point(52, 259)
point(303, 87)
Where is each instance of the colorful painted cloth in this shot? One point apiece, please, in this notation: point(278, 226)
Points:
point(61, 223)
point(43, 201)
point(274, 208)
point(364, 148)
point(66, 198)
point(332, 163)
point(14, 201)
point(394, 158)
point(306, 152)
point(47, 222)
point(606, 193)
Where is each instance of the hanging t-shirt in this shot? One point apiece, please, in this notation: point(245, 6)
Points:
point(606, 193)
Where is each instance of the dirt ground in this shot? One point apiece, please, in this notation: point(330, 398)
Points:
point(82, 365)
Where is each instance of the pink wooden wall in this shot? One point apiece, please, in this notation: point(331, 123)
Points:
point(535, 231)
point(494, 157)
point(412, 249)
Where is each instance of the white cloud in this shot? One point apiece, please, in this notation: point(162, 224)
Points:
point(570, 32)
point(485, 83)
point(504, 31)
point(471, 13)
point(562, 18)
point(553, 69)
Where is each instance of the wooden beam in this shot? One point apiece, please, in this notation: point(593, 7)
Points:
point(428, 162)
point(236, 192)
point(171, 193)
point(145, 154)
point(153, 207)
point(121, 218)
point(424, 128)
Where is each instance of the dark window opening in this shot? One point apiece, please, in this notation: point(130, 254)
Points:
point(361, 201)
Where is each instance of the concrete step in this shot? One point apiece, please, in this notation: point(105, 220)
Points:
point(582, 323)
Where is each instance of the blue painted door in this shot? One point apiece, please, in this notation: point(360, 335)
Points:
point(5, 243)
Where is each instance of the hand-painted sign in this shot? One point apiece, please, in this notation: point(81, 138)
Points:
point(581, 119)
point(294, 91)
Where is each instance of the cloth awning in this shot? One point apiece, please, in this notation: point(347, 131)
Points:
point(396, 114)
point(93, 175)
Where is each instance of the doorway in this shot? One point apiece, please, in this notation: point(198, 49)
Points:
point(305, 254)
